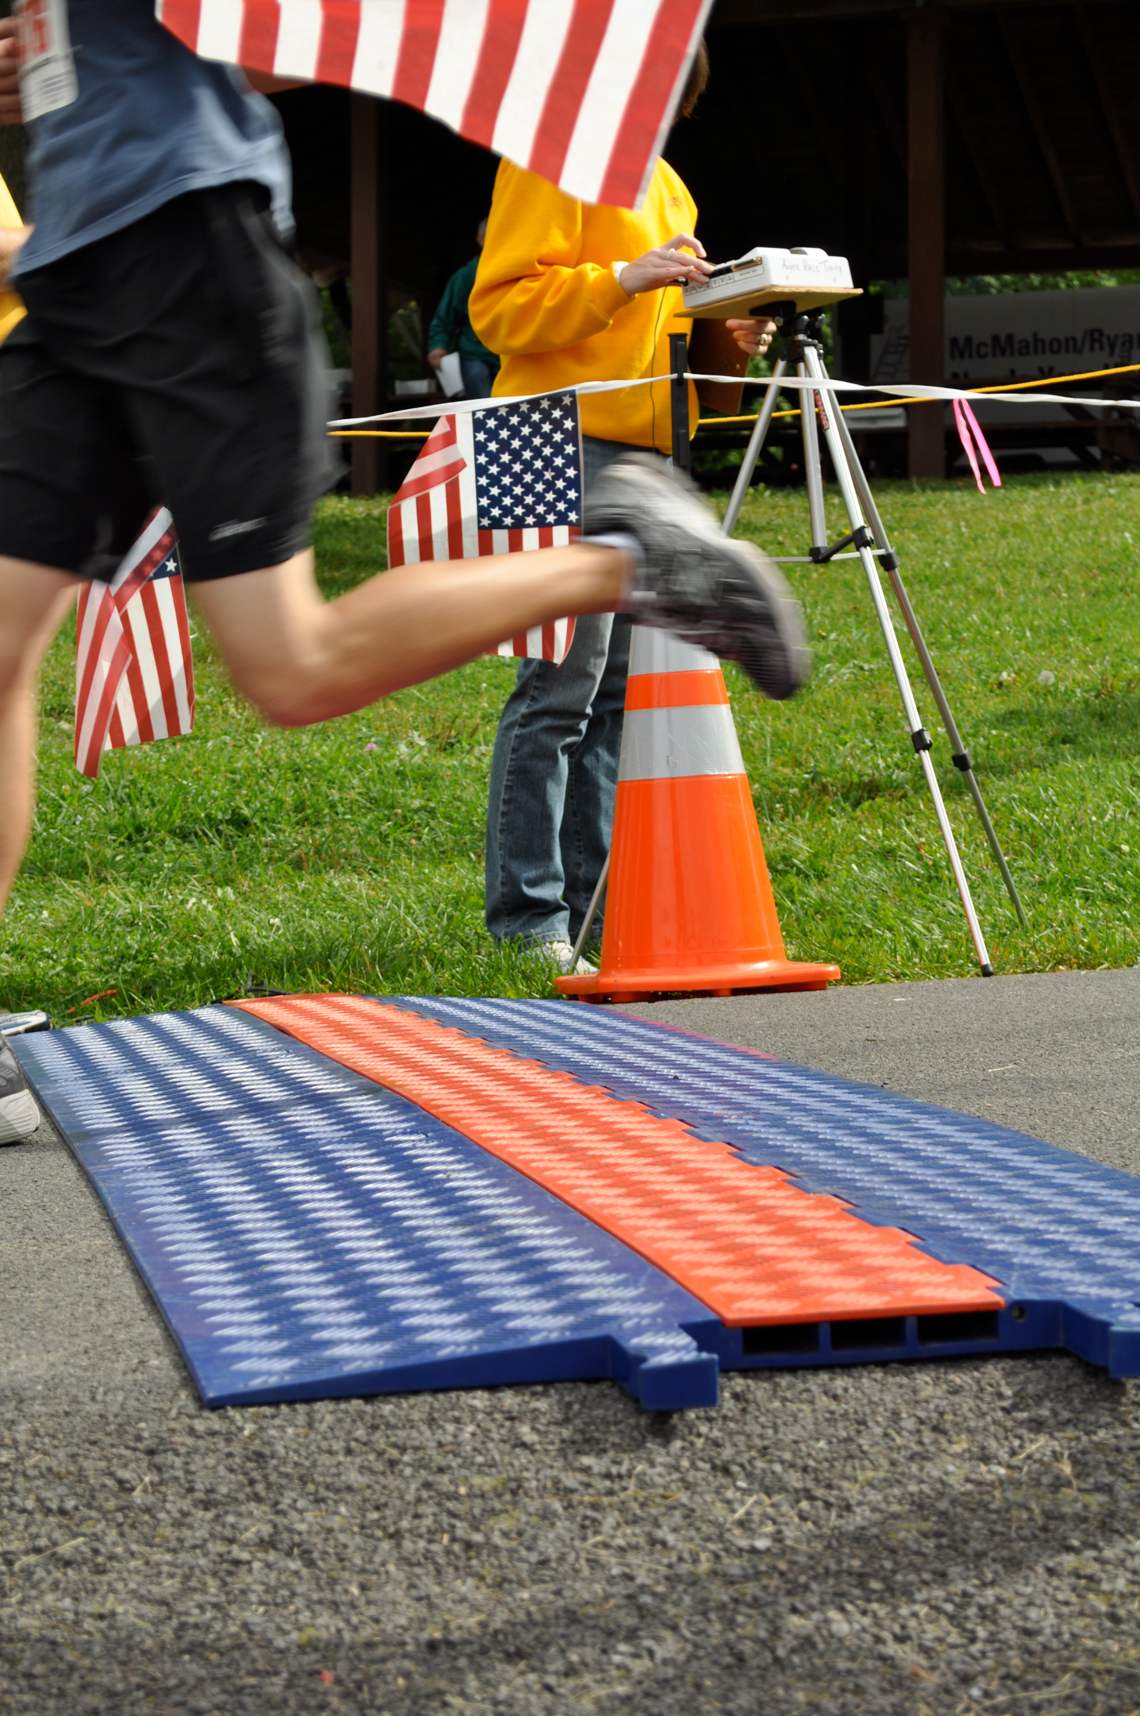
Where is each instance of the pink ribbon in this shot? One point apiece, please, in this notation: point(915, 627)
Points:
point(975, 444)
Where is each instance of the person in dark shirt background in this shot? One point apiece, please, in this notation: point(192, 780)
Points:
point(451, 331)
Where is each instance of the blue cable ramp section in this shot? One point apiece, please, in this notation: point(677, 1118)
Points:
point(1060, 1232)
point(307, 1234)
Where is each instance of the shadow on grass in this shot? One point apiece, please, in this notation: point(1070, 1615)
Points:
point(1104, 724)
point(855, 791)
point(1002, 743)
point(135, 984)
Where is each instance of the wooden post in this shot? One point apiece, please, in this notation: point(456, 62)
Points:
point(369, 287)
point(679, 402)
point(926, 233)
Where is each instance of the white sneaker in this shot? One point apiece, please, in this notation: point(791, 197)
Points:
point(19, 1115)
point(19, 1024)
point(561, 954)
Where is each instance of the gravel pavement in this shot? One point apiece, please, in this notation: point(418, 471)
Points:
point(926, 1539)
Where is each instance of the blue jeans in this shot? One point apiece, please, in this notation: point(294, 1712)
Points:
point(554, 773)
point(478, 376)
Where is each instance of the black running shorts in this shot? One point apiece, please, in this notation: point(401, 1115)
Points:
point(178, 361)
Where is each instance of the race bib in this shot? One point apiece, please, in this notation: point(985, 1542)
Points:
point(47, 64)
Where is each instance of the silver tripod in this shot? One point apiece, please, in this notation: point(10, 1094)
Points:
point(800, 331)
point(867, 538)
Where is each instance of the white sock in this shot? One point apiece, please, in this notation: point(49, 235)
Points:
point(623, 541)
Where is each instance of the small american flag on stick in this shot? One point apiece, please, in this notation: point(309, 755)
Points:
point(133, 676)
point(581, 91)
point(495, 481)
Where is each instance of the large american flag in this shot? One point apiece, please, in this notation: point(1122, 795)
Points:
point(494, 481)
point(581, 91)
point(133, 676)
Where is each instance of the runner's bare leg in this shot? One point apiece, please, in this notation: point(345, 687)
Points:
point(33, 603)
point(298, 658)
point(301, 659)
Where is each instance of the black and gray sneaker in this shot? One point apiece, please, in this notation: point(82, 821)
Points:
point(19, 1115)
point(708, 589)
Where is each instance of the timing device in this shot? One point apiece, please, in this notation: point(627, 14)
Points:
point(807, 278)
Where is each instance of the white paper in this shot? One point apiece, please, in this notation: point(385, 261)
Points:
point(450, 373)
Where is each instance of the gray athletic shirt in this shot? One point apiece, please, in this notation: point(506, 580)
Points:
point(121, 118)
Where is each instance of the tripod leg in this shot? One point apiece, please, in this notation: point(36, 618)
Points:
point(813, 465)
point(728, 525)
point(753, 450)
point(888, 559)
point(591, 912)
point(920, 738)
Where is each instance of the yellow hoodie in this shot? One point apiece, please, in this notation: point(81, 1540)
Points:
point(546, 300)
point(11, 309)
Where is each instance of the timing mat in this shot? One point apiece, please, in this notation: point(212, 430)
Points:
point(335, 1195)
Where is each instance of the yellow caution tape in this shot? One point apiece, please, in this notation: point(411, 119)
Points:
point(886, 404)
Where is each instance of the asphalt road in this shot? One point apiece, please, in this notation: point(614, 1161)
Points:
point(918, 1539)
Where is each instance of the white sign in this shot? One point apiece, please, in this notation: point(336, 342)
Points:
point(1019, 336)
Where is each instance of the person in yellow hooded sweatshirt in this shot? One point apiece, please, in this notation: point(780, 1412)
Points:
point(569, 292)
point(12, 235)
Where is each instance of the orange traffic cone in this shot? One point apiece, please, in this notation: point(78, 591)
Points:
point(690, 907)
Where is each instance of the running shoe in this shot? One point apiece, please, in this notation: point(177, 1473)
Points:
point(19, 1024)
point(692, 580)
point(19, 1115)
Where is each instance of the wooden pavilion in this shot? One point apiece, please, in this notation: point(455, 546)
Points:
point(921, 138)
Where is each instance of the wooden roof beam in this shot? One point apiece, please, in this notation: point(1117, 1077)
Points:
point(926, 232)
point(971, 256)
point(977, 160)
point(888, 103)
point(1040, 128)
point(1125, 154)
point(821, 125)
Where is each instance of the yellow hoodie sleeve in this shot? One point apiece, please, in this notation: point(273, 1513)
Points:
point(11, 308)
point(533, 292)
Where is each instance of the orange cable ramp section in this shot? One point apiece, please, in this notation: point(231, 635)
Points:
point(749, 1243)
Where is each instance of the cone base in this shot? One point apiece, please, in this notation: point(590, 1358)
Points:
point(736, 979)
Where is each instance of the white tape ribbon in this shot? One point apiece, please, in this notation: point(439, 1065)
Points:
point(790, 383)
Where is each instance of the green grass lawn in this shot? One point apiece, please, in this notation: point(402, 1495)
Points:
point(350, 856)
